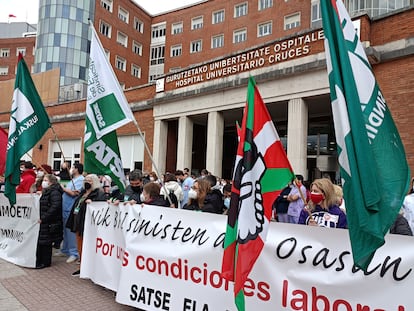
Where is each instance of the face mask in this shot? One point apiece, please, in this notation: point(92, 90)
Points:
point(152, 178)
point(227, 202)
point(40, 174)
point(317, 197)
point(192, 194)
point(45, 184)
point(141, 197)
point(136, 188)
point(87, 186)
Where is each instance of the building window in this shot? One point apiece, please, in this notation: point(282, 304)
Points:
point(138, 25)
point(120, 63)
point(177, 28)
point(107, 5)
point(158, 31)
point(218, 17)
point(316, 17)
point(195, 46)
point(4, 52)
point(217, 41)
point(105, 29)
point(122, 39)
point(154, 77)
point(239, 35)
point(21, 50)
point(240, 9)
point(157, 55)
point(137, 48)
point(123, 15)
point(136, 71)
point(264, 29)
point(4, 70)
point(264, 4)
point(292, 21)
point(176, 50)
point(197, 23)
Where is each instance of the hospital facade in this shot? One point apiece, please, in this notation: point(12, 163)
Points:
point(185, 77)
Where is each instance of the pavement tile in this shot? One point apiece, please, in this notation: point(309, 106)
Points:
point(53, 288)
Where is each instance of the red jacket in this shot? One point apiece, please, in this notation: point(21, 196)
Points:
point(27, 179)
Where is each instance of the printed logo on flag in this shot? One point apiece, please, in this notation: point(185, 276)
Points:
point(22, 117)
point(106, 112)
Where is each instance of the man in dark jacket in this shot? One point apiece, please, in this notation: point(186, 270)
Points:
point(134, 190)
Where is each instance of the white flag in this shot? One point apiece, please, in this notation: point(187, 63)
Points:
point(106, 107)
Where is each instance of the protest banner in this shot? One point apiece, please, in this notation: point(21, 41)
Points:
point(171, 260)
point(19, 229)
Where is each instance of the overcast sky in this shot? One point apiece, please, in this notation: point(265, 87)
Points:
point(27, 10)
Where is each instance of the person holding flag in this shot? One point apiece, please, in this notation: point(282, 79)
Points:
point(261, 171)
point(28, 123)
point(371, 155)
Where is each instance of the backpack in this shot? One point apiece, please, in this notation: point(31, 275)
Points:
point(173, 198)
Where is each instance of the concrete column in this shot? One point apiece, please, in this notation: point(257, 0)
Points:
point(214, 155)
point(160, 147)
point(297, 133)
point(185, 143)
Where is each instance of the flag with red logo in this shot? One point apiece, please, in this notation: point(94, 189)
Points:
point(261, 171)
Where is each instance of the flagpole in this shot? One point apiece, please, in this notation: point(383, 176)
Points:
point(63, 155)
point(152, 161)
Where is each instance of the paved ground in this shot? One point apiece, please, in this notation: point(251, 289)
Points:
point(53, 288)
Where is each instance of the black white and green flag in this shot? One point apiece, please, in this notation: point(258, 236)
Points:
point(106, 110)
point(371, 155)
point(28, 123)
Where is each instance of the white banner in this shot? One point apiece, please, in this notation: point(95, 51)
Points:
point(103, 244)
point(171, 260)
point(19, 229)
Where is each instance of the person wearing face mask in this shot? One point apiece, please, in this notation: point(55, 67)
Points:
point(172, 188)
point(133, 191)
point(323, 209)
point(200, 201)
point(92, 191)
point(41, 172)
point(296, 200)
point(226, 197)
point(408, 206)
point(51, 224)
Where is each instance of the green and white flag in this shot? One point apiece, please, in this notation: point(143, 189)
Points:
point(373, 164)
point(28, 123)
point(107, 107)
point(106, 110)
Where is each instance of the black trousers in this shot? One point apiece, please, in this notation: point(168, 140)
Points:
point(44, 255)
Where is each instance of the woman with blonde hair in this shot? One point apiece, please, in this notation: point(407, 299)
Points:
point(323, 209)
point(92, 191)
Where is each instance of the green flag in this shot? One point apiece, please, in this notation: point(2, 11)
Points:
point(373, 164)
point(28, 123)
point(106, 110)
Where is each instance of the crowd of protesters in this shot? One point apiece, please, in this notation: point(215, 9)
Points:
point(66, 193)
